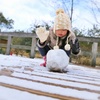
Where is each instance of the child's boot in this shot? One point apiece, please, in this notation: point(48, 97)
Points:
point(44, 64)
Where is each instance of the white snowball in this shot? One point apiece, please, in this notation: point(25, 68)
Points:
point(57, 60)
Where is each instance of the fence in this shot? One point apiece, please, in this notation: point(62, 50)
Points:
point(32, 48)
point(94, 52)
point(9, 45)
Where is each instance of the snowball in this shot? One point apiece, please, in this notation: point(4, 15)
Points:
point(57, 60)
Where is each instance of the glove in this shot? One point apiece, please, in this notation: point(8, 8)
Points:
point(75, 47)
point(42, 34)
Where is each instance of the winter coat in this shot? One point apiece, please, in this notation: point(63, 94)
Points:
point(52, 40)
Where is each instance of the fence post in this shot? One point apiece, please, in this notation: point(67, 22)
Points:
point(94, 53)
point(33, 46)
point(8, 45)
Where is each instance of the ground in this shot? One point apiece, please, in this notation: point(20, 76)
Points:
point(23, 79)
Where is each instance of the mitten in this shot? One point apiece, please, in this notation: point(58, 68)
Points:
point(42, 34)
point(75, 47)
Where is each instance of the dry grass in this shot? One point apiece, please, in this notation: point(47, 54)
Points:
point(24, 53)
point(38, 55)
point(84, 60)
point(81, 60)
point(98, 61)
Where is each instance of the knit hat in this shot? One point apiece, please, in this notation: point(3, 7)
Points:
point(62, 21)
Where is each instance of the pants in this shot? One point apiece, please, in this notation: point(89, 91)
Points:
point(43, 51)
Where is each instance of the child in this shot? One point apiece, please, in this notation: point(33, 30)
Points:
point(61, 36)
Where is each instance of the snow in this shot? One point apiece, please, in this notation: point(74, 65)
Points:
point(55, 59)
point(79, 82)
point(12, 94)
point(47, 88)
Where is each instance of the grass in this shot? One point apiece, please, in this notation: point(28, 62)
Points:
point(85, 60)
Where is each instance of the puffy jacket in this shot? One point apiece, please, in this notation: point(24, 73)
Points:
point(52, 40)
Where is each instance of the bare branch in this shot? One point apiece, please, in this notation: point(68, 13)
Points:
point(94, 14)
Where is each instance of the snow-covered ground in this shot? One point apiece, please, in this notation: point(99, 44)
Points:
point(23, 79)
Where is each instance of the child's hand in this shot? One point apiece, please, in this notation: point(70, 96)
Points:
point(75, 47)
point(42, 34)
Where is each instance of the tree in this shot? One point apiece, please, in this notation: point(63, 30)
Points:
point(86, 7)
point(5, 23)
point(67, 5)
point(96, 10)
point(95, 32)
point(78, 32)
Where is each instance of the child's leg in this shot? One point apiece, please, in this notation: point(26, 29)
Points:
point(43, 51)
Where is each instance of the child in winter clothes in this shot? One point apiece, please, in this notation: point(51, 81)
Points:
point(61, 36)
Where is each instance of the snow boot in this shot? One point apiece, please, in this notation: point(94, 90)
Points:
point(44, 64)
